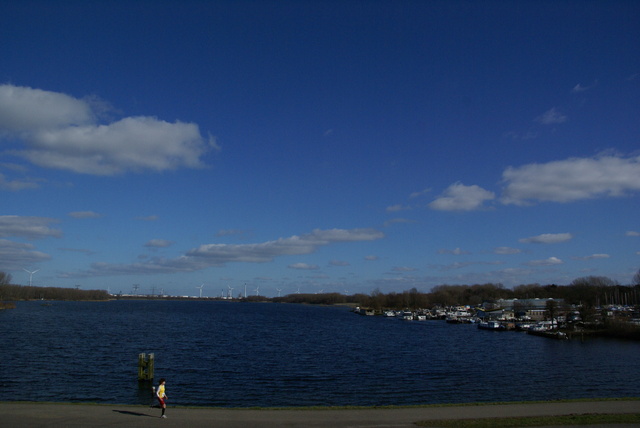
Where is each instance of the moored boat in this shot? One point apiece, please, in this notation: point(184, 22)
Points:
point(490, 325)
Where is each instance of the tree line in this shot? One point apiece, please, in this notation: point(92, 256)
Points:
point(10, 292)
point(591, 291)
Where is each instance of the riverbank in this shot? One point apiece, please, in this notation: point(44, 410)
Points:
point(44, 415)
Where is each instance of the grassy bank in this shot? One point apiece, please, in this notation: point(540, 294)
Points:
point(536, 421)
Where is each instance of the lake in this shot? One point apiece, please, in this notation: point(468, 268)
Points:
point(232, 354)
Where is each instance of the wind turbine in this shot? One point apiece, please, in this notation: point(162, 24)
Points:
point(279, 290)
point(201, 289)
point(258, 290)
point(30, 274)
point(230, 296)
point(298, 292)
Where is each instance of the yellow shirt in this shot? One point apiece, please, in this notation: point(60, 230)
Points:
point(161, 391)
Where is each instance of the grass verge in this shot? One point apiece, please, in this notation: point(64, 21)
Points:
point(537, 421)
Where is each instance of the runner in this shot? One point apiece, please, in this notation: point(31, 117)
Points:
point(162, 397)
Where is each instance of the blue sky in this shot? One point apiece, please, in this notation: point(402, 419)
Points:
point(318, 146)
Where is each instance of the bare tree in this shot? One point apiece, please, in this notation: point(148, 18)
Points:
point(5, 278)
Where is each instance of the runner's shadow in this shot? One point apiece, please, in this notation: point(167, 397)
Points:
point(126, 412)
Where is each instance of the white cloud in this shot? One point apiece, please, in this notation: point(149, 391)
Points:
point(27, 227)
point(592, 257)
point(551, 261)
point(131, 144)
point(16, 185)
point(371, 258)
point(506, 250)
point(579, 88)
point(547, 238)
point(403, 269)
point(461, 265)
point(338, 263)
point(158, 243)
point(459, 197)
point(24, 109)
point(303, 266)
point(551, 117)
point(61, 132)
point(16, 255)
point(571, 180)
point(420, 193)
point(632, 233)
point(210, 255)
point(295, 245)
point(455, 252)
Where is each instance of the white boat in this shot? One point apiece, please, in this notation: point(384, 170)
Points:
point(490, 325)
point(406, 315)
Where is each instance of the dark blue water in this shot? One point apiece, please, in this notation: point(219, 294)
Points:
point(255, 354)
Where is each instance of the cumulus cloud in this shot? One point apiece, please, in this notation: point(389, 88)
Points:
point(62, 132)
point(547, 238)
point(551, 117)
point(24, 109)
point(572, 179)
point(27, 227)
point(210, 255)
point(459, 197)
point(551, 261)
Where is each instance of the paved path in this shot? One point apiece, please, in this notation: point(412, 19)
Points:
point(37, 415)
